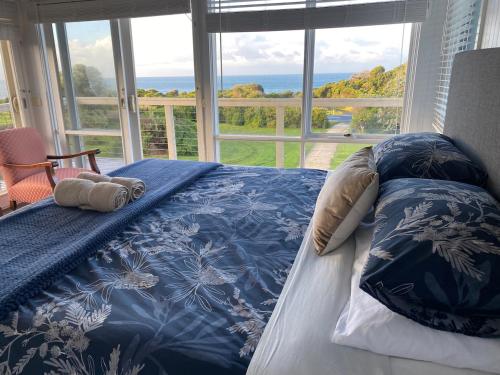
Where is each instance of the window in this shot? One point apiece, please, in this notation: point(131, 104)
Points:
point(166, 86)
point(260, 94)
point(356, 92)
point(364, 67)
point(280, 90)
point(88, 87)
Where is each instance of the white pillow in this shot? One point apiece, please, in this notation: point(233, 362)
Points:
point(367, 324)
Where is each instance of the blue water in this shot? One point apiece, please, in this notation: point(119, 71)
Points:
point(270, 83)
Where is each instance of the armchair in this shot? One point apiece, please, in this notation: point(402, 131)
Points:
point(29, 173)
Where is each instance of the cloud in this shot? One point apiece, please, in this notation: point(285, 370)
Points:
point(98, 54)
point(163, 47)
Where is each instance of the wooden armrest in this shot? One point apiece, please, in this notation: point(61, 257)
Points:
point(71, 156)
point(45, 164)
point(90, 153)
point(48, 165)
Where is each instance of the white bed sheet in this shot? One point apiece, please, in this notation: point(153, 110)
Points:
point(297, 338)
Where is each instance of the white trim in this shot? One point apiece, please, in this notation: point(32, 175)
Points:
point(69, 89)
point(205, 67)
point(373, 138)
point(123, 54)
point(94, 132)
point(48, 58)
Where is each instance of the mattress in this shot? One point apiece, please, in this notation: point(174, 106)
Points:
point(297, 338)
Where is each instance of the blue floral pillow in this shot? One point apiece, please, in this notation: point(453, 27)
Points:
point(425, 155)
point(435, 255)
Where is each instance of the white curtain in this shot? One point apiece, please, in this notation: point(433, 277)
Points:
point(274, 15)
point(41, 11)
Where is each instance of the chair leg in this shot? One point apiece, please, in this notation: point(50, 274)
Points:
point(13, 205)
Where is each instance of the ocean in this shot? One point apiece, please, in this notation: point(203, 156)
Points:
point(270, 83)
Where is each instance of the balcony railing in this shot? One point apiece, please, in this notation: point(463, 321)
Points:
point(161, 118)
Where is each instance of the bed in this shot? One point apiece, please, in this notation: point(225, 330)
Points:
point(185, 287)
point(318, 288)
point(212, 272)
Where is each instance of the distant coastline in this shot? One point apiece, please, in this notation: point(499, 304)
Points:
point(272, 83)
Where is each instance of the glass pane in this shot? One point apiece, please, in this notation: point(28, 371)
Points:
point(164, 76)
point(6, 120)
point(248, 153)
point(92, 72)
point(362, 64)
point(329, 156)
point(264, 154)
point(111, 156)
point(260, 82)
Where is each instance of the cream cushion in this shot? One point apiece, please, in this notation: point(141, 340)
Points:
point(345, 199)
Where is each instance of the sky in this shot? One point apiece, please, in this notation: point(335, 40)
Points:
point(163, 47)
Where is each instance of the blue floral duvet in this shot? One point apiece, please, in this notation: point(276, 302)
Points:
point(186, 289)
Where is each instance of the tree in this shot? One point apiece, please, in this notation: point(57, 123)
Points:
point(88, 81)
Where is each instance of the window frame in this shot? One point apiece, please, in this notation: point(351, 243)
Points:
point(306, 133)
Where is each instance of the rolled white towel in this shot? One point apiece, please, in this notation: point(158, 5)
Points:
point(94, 177)
point(135, 186)
point(106, 197)
point(73, 192)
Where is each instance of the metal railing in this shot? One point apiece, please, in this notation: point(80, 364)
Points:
point(162, 136)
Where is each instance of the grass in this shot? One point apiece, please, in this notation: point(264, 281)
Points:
point(343, 151)
point(241, 152)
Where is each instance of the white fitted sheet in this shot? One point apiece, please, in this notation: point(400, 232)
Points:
point(297, 338)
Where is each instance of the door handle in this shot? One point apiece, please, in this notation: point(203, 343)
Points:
point(15, 104)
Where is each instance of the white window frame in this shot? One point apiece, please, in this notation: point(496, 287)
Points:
point(126, 91)
point(307, 103)
point(207, 103)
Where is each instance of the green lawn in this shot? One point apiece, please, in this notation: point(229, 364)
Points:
point(343, 151)
point(235, 129)
point(240, 152)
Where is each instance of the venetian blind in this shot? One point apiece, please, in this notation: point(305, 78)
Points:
point(8, 19)
point(459, 34)
point(276, 15)
point(42, 11)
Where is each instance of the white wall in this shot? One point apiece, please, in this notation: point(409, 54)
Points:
point(491, 27)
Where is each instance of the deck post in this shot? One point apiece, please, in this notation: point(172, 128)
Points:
point(280, 130)
point(170, 127)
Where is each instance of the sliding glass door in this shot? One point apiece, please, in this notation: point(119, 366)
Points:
point(164, 66)
point(95, 65)
point(89, 90)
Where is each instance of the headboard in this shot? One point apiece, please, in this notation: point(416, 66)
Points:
point(473, 110)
